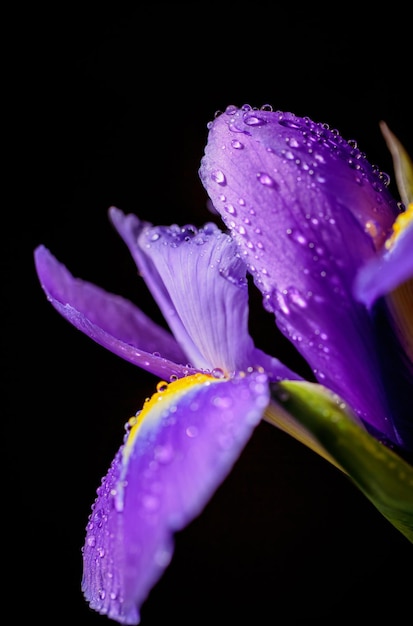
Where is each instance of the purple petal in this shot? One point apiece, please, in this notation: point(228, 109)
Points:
point(387, 270)
point(307, 210)
point(199, 282)
point(182, 447)
point(110, 320)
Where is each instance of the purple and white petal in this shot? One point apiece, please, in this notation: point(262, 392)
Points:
point(307, 210)
point(182, 446)
point(110, 320)
point(199, 282)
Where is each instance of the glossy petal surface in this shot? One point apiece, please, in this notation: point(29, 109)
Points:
point(199, 282)
point(110, 320)
point(181, 448)
point(307, 210)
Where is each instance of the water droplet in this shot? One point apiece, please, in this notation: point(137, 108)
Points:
point(192, 431)
point(219, 177)
point(282, 301)
point(254, 120)
point(162, 386)
point(296, 297)
point(237, 144)
point(223, 402)
point(150, 502)
point(217, 372)
point(266, 179)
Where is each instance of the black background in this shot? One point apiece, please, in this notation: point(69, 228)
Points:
point(110, 107)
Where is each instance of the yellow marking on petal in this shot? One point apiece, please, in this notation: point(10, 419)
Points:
point(161, 401)
point(402, 221)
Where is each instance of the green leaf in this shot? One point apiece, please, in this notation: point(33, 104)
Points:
point(383, 476)
point(402, 164)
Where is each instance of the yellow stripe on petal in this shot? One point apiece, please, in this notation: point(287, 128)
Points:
point(161, 402)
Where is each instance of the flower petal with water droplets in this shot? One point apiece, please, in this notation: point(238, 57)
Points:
point(110, 320)
point(307, 210)
point(180, 449)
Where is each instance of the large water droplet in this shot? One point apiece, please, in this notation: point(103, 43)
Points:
point(254, 120)
point(237, 144)
point(266, 179)
point(219, 177)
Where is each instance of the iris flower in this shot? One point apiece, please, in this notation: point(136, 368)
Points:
point(331, 251)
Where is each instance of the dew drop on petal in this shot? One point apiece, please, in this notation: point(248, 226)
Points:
point(192, 431)
point(282, 301)
point(237, 144)
point(254, 120)
point(150, 502)
point(266, 179)
point(217, 372)
point(296, 297)
point(162, 386)
point(219, 177)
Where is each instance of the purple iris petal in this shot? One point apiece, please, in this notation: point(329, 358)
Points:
point(199, 282)
point(387, 270)
point(307, 210)
point(110, 320)
point(160, 480)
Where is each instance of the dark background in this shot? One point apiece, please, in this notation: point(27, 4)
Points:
point(110, 107)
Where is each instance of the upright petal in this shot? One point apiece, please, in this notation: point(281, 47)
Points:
point(180, 448)
point(307, 210)
point(199, 282)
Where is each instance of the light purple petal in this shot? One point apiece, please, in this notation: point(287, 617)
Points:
point(110, 320)
point(307, 210)
point(387, 270)
point(199, 282)
point(163, 476)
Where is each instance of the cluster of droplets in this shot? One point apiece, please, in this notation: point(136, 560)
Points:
point(313, 134)
point(175, 235)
